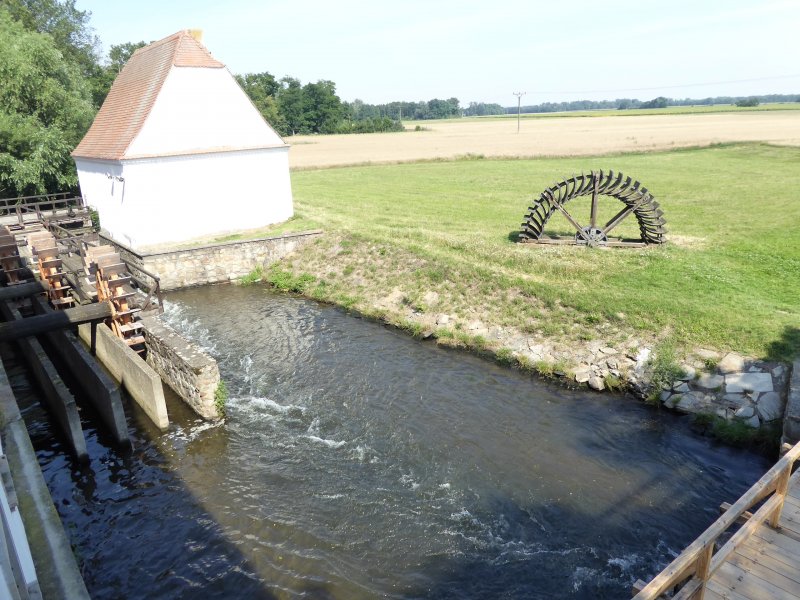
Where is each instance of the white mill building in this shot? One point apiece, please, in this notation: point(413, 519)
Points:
point(178, 151)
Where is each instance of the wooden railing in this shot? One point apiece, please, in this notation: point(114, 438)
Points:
point(697, 564)
point(39, 205)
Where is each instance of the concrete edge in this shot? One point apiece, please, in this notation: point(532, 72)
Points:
point(135, 375)
point(56, 568)
point(142, 254)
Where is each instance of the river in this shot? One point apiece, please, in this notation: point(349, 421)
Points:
point(355, 462)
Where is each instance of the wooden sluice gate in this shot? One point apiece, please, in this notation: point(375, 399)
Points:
point(759, 560)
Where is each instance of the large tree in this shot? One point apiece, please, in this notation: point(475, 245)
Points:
point(323, 108)
point(290, 104)
point(263, 90)
point(45, 109)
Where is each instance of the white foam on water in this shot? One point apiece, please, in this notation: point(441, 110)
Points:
point(190, 433)
point(408, 481)
point(326, 442)
point(584, 576)
point(175, 315)
point(261, 404)
point(364, 454)
point(624, 563)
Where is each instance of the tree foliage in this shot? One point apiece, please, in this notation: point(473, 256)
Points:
point(45, 108)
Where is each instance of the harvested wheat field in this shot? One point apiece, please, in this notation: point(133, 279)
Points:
point(565, 136)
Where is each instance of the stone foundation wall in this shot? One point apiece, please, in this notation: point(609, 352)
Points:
point(214, 263)
point(184, 367)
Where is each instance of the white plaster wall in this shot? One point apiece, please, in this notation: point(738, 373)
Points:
point(201, 109)
point(102, 189)
point(174, 199)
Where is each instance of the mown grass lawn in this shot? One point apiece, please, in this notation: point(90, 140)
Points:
point(729, 278)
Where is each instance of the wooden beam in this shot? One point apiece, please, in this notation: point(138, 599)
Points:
point(23, 290)
point(64, 319)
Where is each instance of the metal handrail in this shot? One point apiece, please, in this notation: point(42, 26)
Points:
point(697, 564)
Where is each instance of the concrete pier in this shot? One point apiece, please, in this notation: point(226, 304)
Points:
point(55, 393)
point(96, 384)
point(136, 376)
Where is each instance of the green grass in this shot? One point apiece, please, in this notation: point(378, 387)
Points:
point(221, 397)
point(728, 278)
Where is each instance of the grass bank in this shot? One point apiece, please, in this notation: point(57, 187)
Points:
point(413, 242)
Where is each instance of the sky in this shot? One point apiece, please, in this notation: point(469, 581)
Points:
point(484, 51)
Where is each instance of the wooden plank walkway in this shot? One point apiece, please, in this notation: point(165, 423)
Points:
point(767, 564)
point(760, 561)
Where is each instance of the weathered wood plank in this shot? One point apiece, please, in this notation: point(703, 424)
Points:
point(740, 581)
point(782, 543)
point(790, 519)
point(761, 570)
point(779, 549)
point(721, 591)
point(766, 555)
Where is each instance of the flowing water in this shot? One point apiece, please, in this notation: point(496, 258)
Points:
point(355, 462)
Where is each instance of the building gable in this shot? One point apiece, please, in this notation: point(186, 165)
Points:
point(147, 96)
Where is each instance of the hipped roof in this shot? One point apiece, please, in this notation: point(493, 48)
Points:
point(134, 92)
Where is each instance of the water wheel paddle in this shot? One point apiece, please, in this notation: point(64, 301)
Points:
point(638, 201)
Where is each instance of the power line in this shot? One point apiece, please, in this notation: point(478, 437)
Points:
point(669, 87)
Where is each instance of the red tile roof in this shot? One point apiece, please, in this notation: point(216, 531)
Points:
point(134, 91)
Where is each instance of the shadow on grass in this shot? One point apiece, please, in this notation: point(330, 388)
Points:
point(787, 347)
point(513, 236)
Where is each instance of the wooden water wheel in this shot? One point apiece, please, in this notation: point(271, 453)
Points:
point(637, 201)
point(44, 250)
point(113, 283)
point(10, 261)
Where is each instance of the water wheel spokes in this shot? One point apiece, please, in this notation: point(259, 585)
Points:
point(637, 200)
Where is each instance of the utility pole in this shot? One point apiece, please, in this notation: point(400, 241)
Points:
point(519, 96)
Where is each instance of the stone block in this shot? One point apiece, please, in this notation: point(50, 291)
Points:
point(748, 382)
point(731, 363)
point(706, 354)
point(689, 403)
point(596, 383)
point(770, 406)
point(753, 422)
point(582, 375)
point(736, 400)
point(709, 382)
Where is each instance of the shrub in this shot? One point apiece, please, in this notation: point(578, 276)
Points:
point(220, 397)
point(254, 276)
point(665, 369)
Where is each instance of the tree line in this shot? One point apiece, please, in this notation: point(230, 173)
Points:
point(659, 102)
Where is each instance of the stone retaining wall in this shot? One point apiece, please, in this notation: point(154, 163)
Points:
point(184, 367)
point(732, 387)
point(213, 263)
